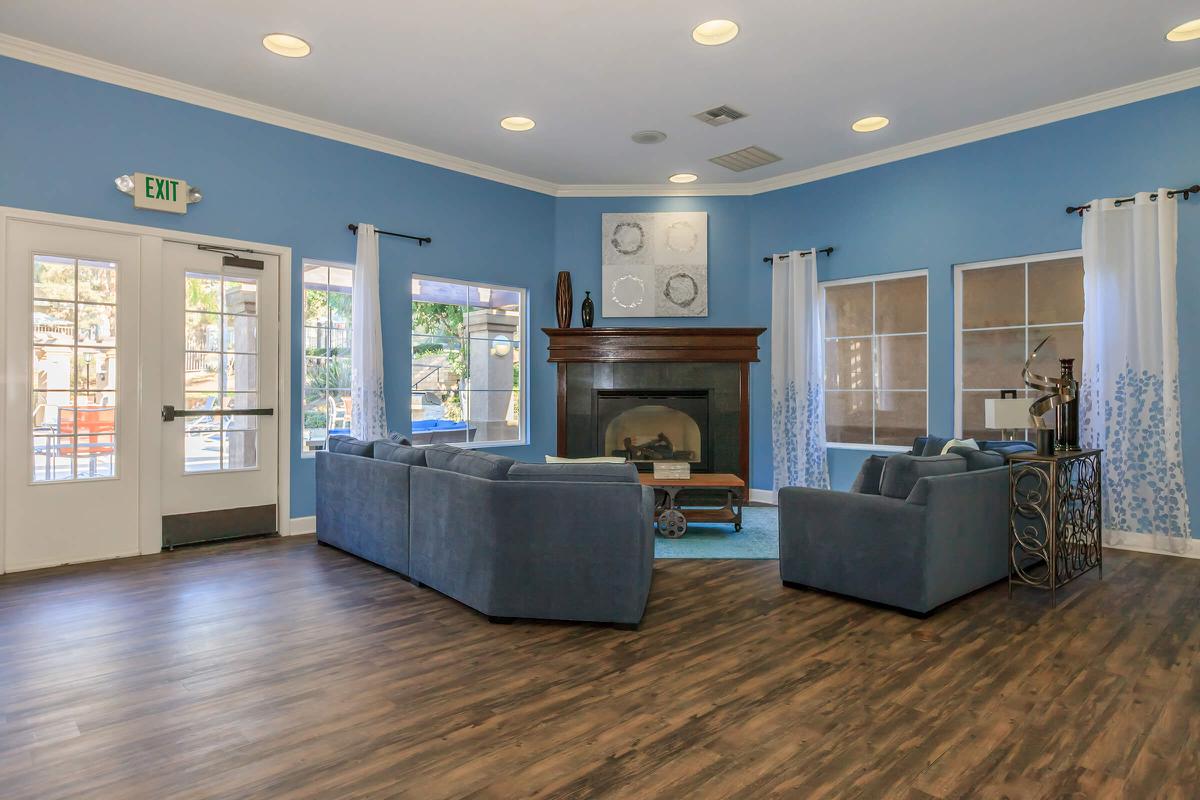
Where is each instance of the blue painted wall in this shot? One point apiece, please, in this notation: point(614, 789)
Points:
point(64, 138)
point(993, 199)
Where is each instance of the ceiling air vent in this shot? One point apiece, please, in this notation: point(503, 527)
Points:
point(746, 158)
point(719, 115)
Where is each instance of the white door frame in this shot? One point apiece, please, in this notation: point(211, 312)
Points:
point(149, 386)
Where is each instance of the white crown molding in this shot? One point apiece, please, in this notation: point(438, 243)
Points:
point(65, 61)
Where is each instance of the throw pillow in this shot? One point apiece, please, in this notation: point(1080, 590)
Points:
point(902, 471)
point(971, 443)
point(869, 476)
point(933, 446)
point(468, 462)
point(387, 450)
point(340, 443)
point(574, 473)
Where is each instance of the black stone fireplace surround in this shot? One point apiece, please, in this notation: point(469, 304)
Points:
point(702, 372)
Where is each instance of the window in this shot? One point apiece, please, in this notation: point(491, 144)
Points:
point(220, 369)
point(876, 355)
point(1005, 308)
point(74, 378)
point(468, 376)
point(327, 321)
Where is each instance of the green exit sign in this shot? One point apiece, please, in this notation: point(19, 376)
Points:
point(159, 193)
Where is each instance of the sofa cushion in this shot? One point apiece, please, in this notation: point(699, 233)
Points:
point(575, 473)
point(978, 459)
point(468, 462)
point(902, 471)
point(387, 450)
point(340, 443)
point(588, 460)
point(869, 476)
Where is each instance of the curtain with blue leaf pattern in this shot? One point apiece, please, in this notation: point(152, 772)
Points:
point(797, 373)
point(1129, 393)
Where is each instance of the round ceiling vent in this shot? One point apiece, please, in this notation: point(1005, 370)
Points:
point(649, 137)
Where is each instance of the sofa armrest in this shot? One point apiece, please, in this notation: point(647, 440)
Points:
point(966, 529)
point(860, 545)
point(362, 508)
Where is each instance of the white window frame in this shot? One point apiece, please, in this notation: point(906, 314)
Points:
point(959, 269)
point(305, 264)
point(874, 279)
point(522, 353)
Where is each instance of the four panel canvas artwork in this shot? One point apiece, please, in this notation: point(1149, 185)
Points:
point(655, 265)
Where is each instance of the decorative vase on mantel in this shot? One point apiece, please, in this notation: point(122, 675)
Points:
point(588, 311)
point(563, 302)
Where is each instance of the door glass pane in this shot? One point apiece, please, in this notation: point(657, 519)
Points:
point(220, 372)
point(53, 278)
point(74, 369)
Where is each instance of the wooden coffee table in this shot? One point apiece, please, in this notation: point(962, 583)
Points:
point(673, 521)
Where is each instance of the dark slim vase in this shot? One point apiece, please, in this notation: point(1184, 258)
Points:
point(564, 303)
point(1068, 413)
point(587, 311)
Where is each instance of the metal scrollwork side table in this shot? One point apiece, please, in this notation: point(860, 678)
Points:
point(1054, 509)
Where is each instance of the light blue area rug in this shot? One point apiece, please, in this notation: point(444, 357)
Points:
point(759, 538)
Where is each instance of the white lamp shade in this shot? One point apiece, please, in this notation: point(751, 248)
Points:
point(1006, 414)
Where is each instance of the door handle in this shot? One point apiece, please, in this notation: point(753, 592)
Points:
point(170, 414)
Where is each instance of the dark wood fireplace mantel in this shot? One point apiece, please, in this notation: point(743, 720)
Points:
point(713, 345)
point(592, 360)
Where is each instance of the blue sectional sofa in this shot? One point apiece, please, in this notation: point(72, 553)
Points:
point(545, 541)
point(916, 531)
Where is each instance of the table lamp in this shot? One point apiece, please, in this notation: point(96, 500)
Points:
point(1007, 415)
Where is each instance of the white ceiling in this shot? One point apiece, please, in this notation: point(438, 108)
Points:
point(439, 74)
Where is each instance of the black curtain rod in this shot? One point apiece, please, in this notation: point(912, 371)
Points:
point(420, 240)
point(1188, 192)
point(826, 250)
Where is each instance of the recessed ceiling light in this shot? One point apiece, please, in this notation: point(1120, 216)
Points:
point(871, 124)
point(517, 123)
point(683, 177)
point(286, 45)
point(715, 31)
point(1185, 32)
point(649, 137)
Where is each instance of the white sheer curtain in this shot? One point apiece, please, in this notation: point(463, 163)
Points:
point(797, 373)
point(368, 417)
point(1129, 395)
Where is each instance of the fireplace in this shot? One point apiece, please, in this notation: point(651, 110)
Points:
point(674, 393)
point(645, 427)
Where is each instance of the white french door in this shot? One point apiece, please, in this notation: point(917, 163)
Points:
point(71, 409)
point(220, 390)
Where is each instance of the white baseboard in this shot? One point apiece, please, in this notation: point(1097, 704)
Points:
point(1146, 543)
point(301, 525)
point(764, 496)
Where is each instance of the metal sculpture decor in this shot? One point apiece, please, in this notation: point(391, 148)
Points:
point(1063, 399)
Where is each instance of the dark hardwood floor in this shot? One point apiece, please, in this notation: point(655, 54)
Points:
point(278, 668)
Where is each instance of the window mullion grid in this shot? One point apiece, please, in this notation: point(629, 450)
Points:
point(874, 366)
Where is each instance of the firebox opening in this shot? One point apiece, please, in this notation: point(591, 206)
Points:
point(654, 433)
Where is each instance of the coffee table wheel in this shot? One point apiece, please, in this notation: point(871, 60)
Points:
point(672, 523)
point(737, 527)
